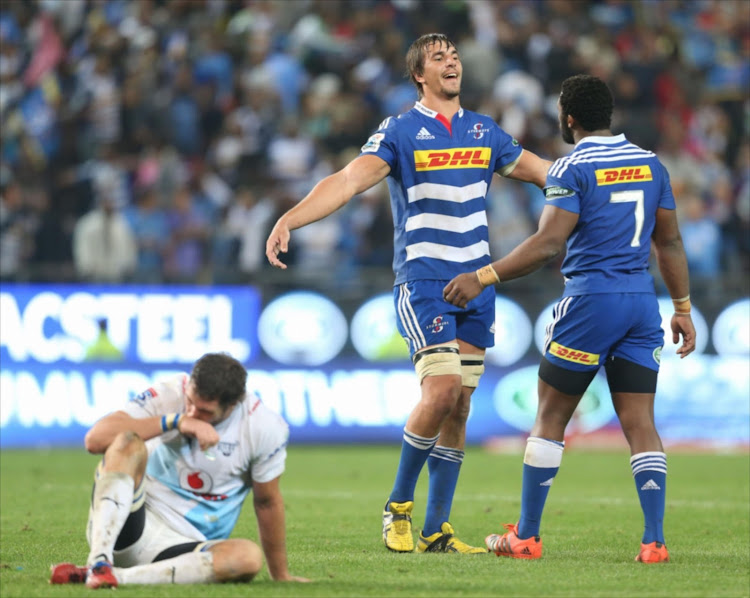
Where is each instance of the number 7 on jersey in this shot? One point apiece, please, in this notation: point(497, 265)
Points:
point(636, 196)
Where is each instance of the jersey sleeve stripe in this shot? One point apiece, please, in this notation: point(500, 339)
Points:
point(605, 156)
point(446, 192)
point(446, 252)
point(447, 223)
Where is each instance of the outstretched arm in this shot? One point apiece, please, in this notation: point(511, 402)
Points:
point(555, 226)
point(269, 510)
point(327, 196)
point(670, 256)
point(531, 169)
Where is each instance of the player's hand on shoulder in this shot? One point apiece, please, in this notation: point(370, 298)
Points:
point(278, 242)
point(462, 289)
point(203, 432)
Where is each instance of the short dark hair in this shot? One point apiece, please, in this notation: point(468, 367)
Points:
point(219, 377)
point(587, 99)
point(415, 55)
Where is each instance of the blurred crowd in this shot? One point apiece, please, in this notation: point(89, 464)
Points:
point(157, 140)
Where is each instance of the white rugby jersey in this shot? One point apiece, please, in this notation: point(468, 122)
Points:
point(440, 174)
point(200, 494)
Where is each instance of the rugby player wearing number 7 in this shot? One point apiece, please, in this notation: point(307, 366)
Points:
point(439, 160)
point(607, 200)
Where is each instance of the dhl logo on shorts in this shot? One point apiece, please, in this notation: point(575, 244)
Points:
point(624, 174)
point(573, 355)
point(459, 157)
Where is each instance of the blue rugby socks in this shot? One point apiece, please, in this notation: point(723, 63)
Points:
point(541, 462)
point(650, 474)
point(414, 452)
point(444, 465)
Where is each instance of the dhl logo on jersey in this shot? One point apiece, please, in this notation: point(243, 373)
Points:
point(573, 354)
point(624, 174)
point(459, 157)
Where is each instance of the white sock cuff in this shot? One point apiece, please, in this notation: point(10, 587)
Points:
point(651, 460)
point(420, 442)
point(541, 452)
point(448, 454)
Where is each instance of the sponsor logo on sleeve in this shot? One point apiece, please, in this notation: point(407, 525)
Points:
point(555, 192)
point(460, 157)
point(574, 355)
point(141, 398)
point(624, 174)
point(373, 143)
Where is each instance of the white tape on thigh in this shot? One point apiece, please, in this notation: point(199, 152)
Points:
point(438, 360)
point(472, 368)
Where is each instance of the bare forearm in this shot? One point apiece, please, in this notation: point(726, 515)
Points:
point(673, 267)
point(528, 257)
point(326, 197)
point(101, 435)
point(272, 528)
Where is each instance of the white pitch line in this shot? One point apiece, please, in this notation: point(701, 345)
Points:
point(494, 498)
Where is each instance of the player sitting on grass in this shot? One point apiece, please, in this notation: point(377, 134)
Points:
point(179, 461)
point(608, 200)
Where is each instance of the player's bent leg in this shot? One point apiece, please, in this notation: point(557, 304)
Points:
point(238, 560)
point(187, 568)
point(118, 494)
point(126, 454)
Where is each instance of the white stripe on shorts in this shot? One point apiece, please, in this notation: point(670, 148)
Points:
point(409, 319)
point(558, 311)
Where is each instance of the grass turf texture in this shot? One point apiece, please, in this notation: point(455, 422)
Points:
point(334, 496)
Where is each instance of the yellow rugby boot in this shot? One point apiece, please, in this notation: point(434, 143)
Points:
point(446, 541)
point(397, 534)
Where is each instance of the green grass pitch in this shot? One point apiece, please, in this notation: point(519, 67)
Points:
point(334, 497)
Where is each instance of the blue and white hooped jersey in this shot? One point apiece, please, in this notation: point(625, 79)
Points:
point(440, 174)
point(200, 494)
point(615, 187)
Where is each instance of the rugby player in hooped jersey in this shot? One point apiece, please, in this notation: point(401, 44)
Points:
point(179, 461)
point(439, 160)
point(608, 200)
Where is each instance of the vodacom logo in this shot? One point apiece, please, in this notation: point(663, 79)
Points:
point(196, 481)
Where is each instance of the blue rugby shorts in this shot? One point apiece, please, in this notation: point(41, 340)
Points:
point(424, 318)
point(588, 329)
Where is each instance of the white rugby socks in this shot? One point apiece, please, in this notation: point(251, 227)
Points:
point(188, 568)
point(113, 498)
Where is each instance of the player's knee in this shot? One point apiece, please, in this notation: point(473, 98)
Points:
point(443, 398)
point(126, 446)
point(247, 560)
point(460, 412)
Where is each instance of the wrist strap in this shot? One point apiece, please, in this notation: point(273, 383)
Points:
point(170, 421)
point(682, 305)
point(487, 276)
